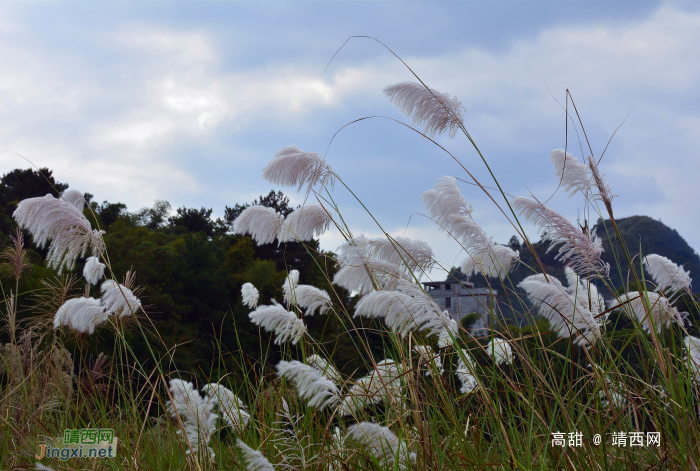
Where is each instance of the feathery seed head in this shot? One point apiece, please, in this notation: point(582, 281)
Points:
point(195, 412)
point(80, 314)
point(250, 295)
point(465, 373)
point(93, 271)
point(445, 200)
point(285, 325)
point(402, 251)
point(667, 274)
point(118, 299)
point(381, 443)
point(325, 367)
point(692, 346)
point(572, 173)
point(262, 223)
point(75, 198)
point(232, 409)
point(311, 384)
point(500, 350)
point(294, 167)
point(661, 310)
point(360, 270)
point(254, 460)
point(435, 111)
point(305, 223)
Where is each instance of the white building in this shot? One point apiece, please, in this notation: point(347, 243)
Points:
point(462, 299)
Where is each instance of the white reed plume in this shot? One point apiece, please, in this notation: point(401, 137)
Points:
point(254, 460)
point(262, 223)
point(428, 359)
point(80, 314)
point(41, 467)
point(692, 346)
point(381, 443)
point(232, 409)
point(565, 311)
point(289, 284)
point(383, 383)
point(605, 193)
point(667, 274)
point(316, 389)
point(312, 299)
point(572, 173)
point(93, 271)
point(250, 295)
point(305, 223)
point(465, 373)
point(435, 111)
point(404, 310)
point(581, 247)
point(51, 219)
point(325, 367)
point(118, 299)
point(361, 270)
point(445, 200)
point(285, 325)
point(447, 329)
point(294, 167)
point(500, 350)
point(585, 292)
point(412, 255)
point(496, 261)
point(195, 412)
point(661, 310)
point(75, 198)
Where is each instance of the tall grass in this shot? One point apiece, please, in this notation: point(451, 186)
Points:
point(437, 398)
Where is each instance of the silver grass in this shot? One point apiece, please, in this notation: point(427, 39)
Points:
point(497, 261)
point(448, 332)
point(404, 310)
point(428, 358)
point(565, 311)
point(195, 412)
point(254, 460)
point(445, 200)
point(312, 299)
point(585, 292)
point(75, 198)
point(325, 367)
point(250, 295)
point(692, 346)
point(605, 193)
point(661, 310)
point(285, 325)
point(289, 284)
point(435, 111)
point(413, 255)
point(294, 167)
point(667, 274)
point(262, 223)
point(232, 409)
point(80, 314)
point(360, 270)
point(572, 173)
point(305, 223)
point(582, 248)
point(118, 299)
point(500, 350)
point(93, 271)
point(60, 226)
point(313, 386)
point(381, 384)
point(465, 373)
point(381, 443)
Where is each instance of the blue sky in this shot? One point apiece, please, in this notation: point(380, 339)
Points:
point(188, 101)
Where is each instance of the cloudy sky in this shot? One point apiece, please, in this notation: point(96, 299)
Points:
point(188, 101)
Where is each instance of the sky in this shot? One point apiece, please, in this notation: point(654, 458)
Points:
point(188, 101)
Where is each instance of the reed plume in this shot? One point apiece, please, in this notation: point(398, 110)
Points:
point(572, 174)
point(692, 347)
point(660, 315)
point(80, 314)
point(285, 325)
point(426, 107)
point(74, 198)
point(93, 271)
point(325, 367)
point(250, 295)
point(253, 459)
point(381, 443)
point(118, 299)
point(231, 408)
point(294, 167)
point(316, 389)
point(381, 384)
point(500, 350)
point(415, 256)
point(465, 373)
point(667, 274)
point(262, 223)
point(361, 271)
point(305, 223)
point(428, 359)
point(196, 413)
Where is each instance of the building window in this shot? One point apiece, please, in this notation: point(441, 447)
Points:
point(448, 287)
point(448, 302)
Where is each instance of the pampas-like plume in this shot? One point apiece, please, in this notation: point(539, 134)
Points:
point(585, 292)
point(500, 350)
point(118, 299)
point(254, 460)
point(465, 373)
point(692, 346)
point(667, 274)
point(75, 198)
point(250, 295)
point(80, 314)
point(325, 367)
point(383, 383)
point(305, 224)
point(582, 248)
point(232, 409)
point(289, 284)
point(361, 270)
point(316, 389)
point(572, 173)
point(428, 359)
point(661, 310)
point(55, 220)
point(93, 271)
point(196, 413)
point(565, 310)
point(381, 443)
point(605, 194)
point(277, 319)
point(404, 310)
point(445, 200)
point(305, 296)
point(402, 251)
point(497, 261)
point(262, 223)
point(294, 167)
point(436, 111)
